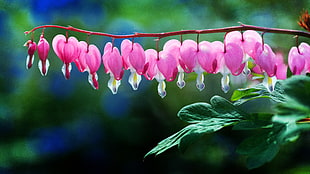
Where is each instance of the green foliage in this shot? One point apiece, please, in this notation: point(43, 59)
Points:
point(290, 117)
point(204, 118)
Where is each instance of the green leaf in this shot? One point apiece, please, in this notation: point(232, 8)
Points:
point(219, 108)
point(258, 91)
point(204, 118)
point(298, 88)
point(262, 147)
point(251, 124)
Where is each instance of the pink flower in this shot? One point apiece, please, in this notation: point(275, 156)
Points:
point(281, 67)
point(207, 57)
point(151, 58)
point(251, 40)
point(173, 46)
point(92, 58)
point(67, 50)
point(153, 71)
point(167, 65)
point(113, 64)
point(43, 49)
point(80, 61)
point(32, 47)
point(304, 49)
point(246, 40)
point(233, 57)
point(188, 52)
point(134, 59)
point(296, 61)
point(266, 59)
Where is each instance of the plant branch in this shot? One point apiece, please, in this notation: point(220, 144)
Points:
point(242, 27)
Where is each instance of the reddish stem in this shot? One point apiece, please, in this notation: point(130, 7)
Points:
point(242, 27)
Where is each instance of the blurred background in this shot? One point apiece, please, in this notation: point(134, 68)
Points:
point(52, 125)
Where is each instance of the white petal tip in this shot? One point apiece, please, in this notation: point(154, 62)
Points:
point(200, 87)
point(43, 67)
point(181, 84)
point(162, 94)
point(225, 88)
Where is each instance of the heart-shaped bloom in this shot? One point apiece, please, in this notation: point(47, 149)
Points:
point(233, 57)
point(173, 46)
point(43, 49)
point(80, 61)
point(67, 50)
point(188, 52)
point(151, 58)
point(207, 57)
point(296, 61)
point(134, 59)
point(153, 71)
point(92, 57)
point(246, 40)
point(299, 59)
point(167, 65)
point(32, 47)
point(113, 64)
point(266, 59)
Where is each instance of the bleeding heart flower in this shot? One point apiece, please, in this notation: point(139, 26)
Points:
point(296, 61)
point(80, 61)
point(304, 49)
point(173, 46)
point(207, 57)
point(32, 47)
point(113, 64)
point(43, 49)
point(233, 57)
point(92, 58)
point(266, 59)
point(134, 59)
point(67, 50)
point(188, 52)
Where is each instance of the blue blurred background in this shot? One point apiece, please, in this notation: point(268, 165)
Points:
point(52, 125)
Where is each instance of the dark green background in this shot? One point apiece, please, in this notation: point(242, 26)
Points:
point(52, 125)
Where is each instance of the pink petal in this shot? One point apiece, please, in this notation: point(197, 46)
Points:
point(43, 48)
point(266, 60)
point(137, 58)
point(233, 37)
point(281, 67)
point(296, 61)
point(66, 50)
point(151, 58)
point(58, 44)
point(113, 61)
point(126, 48)
point(167, 65)
point(207, 57)
point(188, 52)
point(80, 62)
point(93, 59)
point(251, 39)
point(234, 58)
point(32, 47)
point(305, 50)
